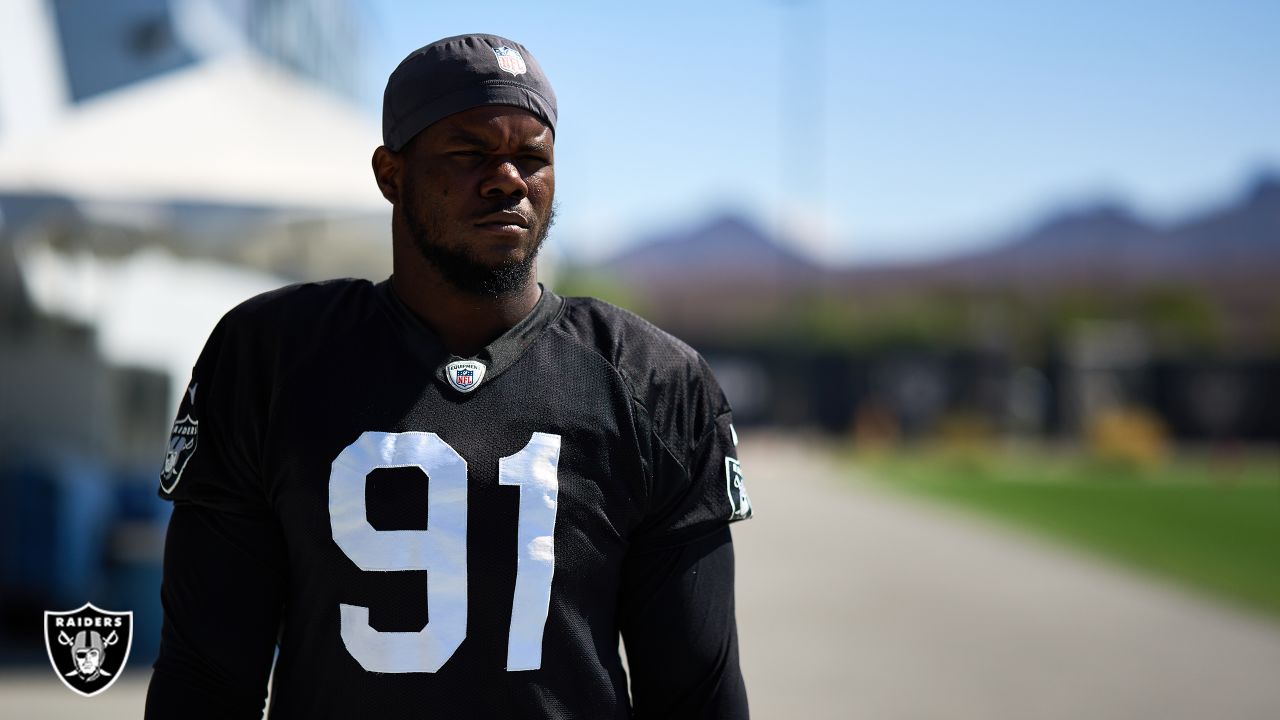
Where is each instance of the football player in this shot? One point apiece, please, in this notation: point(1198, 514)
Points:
point(446, 494)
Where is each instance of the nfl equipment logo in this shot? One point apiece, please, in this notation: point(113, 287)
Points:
point(88, 647)
point(510, 60)
point(464, 375)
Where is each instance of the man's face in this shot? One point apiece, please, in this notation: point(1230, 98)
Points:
point(476, 192)
point(87, 660)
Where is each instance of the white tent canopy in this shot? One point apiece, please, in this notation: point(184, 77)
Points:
point(231, 130)
point(149, 309)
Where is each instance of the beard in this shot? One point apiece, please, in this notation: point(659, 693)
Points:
point(461, 267)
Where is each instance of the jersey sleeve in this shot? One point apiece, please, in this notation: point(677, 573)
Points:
point(223, 596)
point(676, 614)
point(224, 562)
point(696, 480)
point(212, 456)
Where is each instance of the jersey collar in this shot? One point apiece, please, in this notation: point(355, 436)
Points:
point(497, 356)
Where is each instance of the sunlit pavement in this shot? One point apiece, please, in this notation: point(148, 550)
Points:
point(35, 694)
point(857, 603)
point(854, 603)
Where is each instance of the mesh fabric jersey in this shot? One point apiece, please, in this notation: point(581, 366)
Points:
point(451, 545)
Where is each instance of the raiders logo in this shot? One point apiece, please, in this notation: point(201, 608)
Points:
point(88, 647)
point(182, 441)
point(739, 503)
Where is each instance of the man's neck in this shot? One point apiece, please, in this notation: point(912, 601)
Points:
point(465, 322)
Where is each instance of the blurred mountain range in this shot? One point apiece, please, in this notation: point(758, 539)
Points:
point(1220, 266)
point(1106, 243)
point(1109, 245)
point(728, 247)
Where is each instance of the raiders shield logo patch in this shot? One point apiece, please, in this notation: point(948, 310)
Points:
point(88, 647)
point(182, 441)
point(464, 375)
point(739, 503)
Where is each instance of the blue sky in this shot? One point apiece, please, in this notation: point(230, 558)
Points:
point(880, 130)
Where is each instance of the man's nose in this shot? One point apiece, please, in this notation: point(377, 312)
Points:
point(504, 180)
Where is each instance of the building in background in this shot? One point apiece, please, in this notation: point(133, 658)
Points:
point(103, 46)
point(212, 129)
point(152, 152)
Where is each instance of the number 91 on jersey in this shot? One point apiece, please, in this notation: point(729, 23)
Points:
point(441, 549)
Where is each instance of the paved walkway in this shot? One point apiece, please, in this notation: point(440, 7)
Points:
point(854, 603)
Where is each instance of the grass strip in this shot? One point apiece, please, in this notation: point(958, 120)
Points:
point(1195, 520)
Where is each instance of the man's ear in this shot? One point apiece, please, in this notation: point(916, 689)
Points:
point(386, 171)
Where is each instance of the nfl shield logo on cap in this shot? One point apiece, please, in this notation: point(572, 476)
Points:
point(510, 60)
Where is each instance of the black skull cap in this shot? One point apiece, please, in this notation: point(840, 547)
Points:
point(459, 73)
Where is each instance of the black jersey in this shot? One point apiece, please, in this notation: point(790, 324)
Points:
point(444, 536)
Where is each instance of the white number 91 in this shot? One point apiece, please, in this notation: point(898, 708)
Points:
point(441, 549)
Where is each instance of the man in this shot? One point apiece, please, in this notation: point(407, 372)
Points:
point(445, 494)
